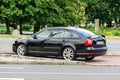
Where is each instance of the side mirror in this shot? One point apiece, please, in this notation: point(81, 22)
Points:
point(34, 36)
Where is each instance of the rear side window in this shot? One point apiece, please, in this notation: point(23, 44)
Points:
point(67, 34)
point(63, 34)
point(84, 32)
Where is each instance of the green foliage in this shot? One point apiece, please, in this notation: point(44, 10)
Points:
point(113, 32)
point(3, 29)
point(104, 10)
point(106, 31)
point(27, 27)
point(58, 12)
point(43, 12)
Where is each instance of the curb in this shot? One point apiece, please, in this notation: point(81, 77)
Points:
point(14, 59)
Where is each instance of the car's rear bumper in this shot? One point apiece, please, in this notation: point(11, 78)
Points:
point(92, 52)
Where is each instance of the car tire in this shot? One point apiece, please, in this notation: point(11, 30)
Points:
point(89, 58)
point(21, 50)
point(68, 54)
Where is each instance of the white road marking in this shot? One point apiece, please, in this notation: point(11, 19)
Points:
point(11, 67)
point(59, 73)
point(11, 78)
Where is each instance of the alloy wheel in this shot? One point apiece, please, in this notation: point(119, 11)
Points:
point(68, 54)
point(21, 50)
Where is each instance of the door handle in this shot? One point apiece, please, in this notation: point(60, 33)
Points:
point(64, 40)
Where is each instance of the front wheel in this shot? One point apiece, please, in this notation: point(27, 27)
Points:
point(21, 50)
point(68, 54)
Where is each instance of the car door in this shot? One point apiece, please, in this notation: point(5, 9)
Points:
point(36, 43)
point(53, 45)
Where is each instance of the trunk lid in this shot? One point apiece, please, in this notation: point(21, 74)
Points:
point(99, 40)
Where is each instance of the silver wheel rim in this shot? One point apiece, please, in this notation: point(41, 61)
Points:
point(68, 54)
point(21, 50)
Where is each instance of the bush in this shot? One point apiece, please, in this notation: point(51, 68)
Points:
point(110, 33)
point(106, 31)
point(116, 33)
point(27, 27)
point(3, 28)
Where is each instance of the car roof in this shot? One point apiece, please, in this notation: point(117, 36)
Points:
point(80, 31)
point(68, 28)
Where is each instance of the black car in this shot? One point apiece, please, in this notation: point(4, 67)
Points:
point(68, 42)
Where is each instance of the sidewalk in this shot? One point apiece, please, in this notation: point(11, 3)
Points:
point(113, 53)
point(105, 61)
point(15, 59)
point(8, 57)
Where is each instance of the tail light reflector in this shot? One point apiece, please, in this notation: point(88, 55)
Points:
point(90, 53)
point(88, 42)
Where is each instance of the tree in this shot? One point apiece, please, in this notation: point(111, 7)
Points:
point(5, 13)
point(26, 8)
point(97, 9)
point(114, 11)
point(105, 10)
point(42, 12)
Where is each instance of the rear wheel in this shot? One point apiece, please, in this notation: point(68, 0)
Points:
point(68, 54)
point(89, 58)
point(21, 50)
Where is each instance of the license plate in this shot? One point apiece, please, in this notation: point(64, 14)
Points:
point(100, 42)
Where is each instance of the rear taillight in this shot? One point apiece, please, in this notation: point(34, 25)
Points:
point(88, 42)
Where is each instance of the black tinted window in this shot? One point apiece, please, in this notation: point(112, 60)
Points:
point(57, 34)
point(67, 34)
point(63, 34)
point(84, 32)
point(43, 34)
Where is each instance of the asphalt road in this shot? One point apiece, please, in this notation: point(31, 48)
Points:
point(46, 72)
point(6, 44)
point(113, 45)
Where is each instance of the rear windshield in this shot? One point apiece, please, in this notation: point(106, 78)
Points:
point(84, 32)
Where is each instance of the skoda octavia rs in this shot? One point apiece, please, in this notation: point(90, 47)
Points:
point(68, 42)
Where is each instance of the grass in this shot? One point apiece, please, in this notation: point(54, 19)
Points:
point(106, 31)
point(10, 36)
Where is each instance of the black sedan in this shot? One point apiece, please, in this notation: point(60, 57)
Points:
point(68, 42)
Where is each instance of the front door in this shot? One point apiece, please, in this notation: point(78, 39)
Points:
point(53, 45)
point(36, 43)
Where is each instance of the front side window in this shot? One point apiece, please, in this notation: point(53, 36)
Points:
point(57, 34)
point(43, 34)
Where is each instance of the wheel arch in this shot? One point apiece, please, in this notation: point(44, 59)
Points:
point(20, 43)
point(68, 45)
